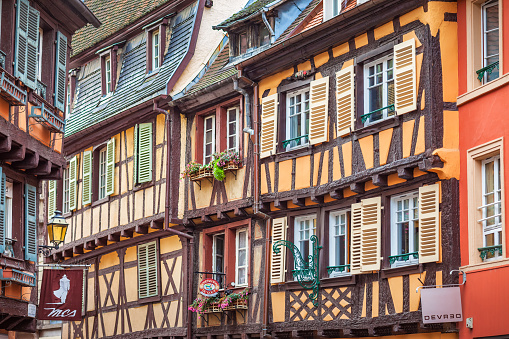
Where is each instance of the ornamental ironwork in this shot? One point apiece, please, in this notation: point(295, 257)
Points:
point(487, 70)
point(306, 273)
point(403, 257)
point(489, 249)
point(389, 109)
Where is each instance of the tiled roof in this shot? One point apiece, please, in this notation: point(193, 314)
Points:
point(134, 85)
point(245, 12)
point(315, 20)
point(216, 72)
point(300, 19)
point(113, 15)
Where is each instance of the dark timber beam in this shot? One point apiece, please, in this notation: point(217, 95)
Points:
point(90, 245)
point(319, 199)
point(188, 222)
point(299, 201)
point(102, 241)
point(406, 173)
point(222, 216)
point(357, 187)
point(114, 237)
point(68, 253)
point(5, 144)
point(280, 204)
point(57, 256)
point(141, 229)
point(379, 180)
point(156, 225)
point(337, 194)
point(78, 249)
point(31, 161)
point(265, 207)
point(43, 168)
point(56, 174)
point(205, 218)
point(15, 323)
point(7, 317)
point(239, 212)
point(17, 153)
point(127, 233)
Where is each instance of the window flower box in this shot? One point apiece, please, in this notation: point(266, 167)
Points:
point(202, 173)
point(239, 304)
point(213, 307)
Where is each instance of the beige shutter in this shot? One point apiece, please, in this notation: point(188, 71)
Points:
point(269, 126)
point(145, 153)
point(370, 234)
point(429, 225)
point(147, 270)
point(319, 111)
point(355, 239)
point(110, 167)
point(52, 198)
point(73, 164)
point(87, 177)
point(405, 77)
point(277, 261)
point(345, 101)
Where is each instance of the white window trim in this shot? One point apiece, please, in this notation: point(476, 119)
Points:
point(155, 56)
point(107, 74)
point(296, 229)
point(39, 55)
point(484, 6)
point(382, 60)
point(237, 249)
point(303, 142)
point(66, 191)
point(9, 196)
point(236, 135)
point(394, 234)
point(332, 242)
point(214, 254)
point(102, 172)
point(213, 142)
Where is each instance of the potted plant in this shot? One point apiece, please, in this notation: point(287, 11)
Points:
point(202, 305)
point(191, 170)
point(235, 301)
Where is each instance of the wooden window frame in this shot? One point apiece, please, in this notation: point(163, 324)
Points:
point(66, 191)
point(302, 92)
point(485, 5)
point(161, 30)
point(221, 137)
point(496, 175)
point(212, 131)
point(237, 277)
point(101, 169)
point(95, 175)
point(237, 132)
point(221, 279)
point(110, 55)
point(230, 231)
point(330, 244)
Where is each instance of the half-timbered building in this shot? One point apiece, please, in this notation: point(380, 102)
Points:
point(358, 165)
point(35, 42)
point(120, 190)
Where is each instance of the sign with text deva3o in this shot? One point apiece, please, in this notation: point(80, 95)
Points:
point(441, 305)
point(61, 295)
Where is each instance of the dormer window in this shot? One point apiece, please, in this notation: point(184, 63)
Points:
point(108, 71)
point(155, 46)
point(242, 43)
point(264, 35)
point(155, 49)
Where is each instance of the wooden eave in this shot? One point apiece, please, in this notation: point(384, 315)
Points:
point(324, 36)
point(71, 14)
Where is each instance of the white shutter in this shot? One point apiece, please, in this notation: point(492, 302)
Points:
point(405, 77)
point(269, 126)
point(345, 101)
point(370, 234)
point(277, 261)
point(429, 225)
point(73, 173)
point(87, 177)
point(319, 111)
point(110, 167)
point(147, 270)
point(52, 198)
point(355, 239)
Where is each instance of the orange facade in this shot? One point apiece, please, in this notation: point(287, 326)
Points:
point(483, 130)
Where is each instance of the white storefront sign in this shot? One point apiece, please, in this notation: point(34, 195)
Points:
point(441, 305)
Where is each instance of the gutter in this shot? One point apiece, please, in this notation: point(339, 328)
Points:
point(266, 22)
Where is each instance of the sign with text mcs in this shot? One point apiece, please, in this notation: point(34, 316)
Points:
point(61, 295)
point(209, 287)
point(441, 305)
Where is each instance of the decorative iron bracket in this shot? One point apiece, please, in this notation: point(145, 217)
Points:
point(306, 273)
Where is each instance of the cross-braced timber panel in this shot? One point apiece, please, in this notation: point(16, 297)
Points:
point(336, 303)
point(301, 306)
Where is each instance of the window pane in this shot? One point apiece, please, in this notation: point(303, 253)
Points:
point(242, 239)
point(242, 276)
point(491, 17)
point(208, 123)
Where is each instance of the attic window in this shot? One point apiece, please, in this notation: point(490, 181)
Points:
point(108, 71)
point(155, 46)
point(264, 35)
point(242, 43)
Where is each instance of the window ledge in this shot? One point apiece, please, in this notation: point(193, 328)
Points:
point(294, 153)
point(149, 299)
point(376, 127)
point(139, 187)
point(347, 279)
point(101, 201)
point(402, 270)
point(484, 89)
point(67, 214)
point(487, 265)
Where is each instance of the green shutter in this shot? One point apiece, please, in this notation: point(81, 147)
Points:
point(147, 270)
point(145, 153)
point(87, 177)
point(20, 58)
point(30, 223)
point(52, 198)
point(2, 211)
point(110, 167)
point(32, 44)
point(135, 156)
point(60, 71)
point(73, 164)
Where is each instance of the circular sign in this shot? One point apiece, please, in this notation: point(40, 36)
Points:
point(209, 287)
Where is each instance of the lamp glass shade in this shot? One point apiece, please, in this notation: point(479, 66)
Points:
point(57, 228)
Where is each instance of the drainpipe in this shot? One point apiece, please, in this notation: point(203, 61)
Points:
point(266, 22)
point(247, 103)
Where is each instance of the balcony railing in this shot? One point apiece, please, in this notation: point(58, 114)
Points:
point(483, 251)
point(41, 89)
point(47, 118)
point(365, 117)
point(15, 95)
point(339, 269)
point(22, 278)
point(403, 257)
point(487, 70)
point(297, 139)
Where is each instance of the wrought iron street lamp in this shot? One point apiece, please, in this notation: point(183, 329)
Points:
point(57, 228)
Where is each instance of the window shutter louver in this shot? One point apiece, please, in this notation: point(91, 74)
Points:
point(30, 223)
point(145, 153)
point(110, 167)
point(319, 111)
point(345, 101)
point(429, 225)
point(355, 240)
point(135, 156)
point(278, 261)
point(52, 198)
point(60, 71)
point(405, 77)
point(370, 234)
point(269, 126)
point(2, 211)
point(73, 165)
point(87, 177)
point(32, 44)
point(147, 270)
point(20, 59)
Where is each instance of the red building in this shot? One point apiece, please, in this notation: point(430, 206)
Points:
point(482, 102)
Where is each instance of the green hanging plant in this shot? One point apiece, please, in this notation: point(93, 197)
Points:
point(218, 172)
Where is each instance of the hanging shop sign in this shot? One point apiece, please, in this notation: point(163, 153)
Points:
point(61, 295)
point(209, 287)
point(441, 305)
